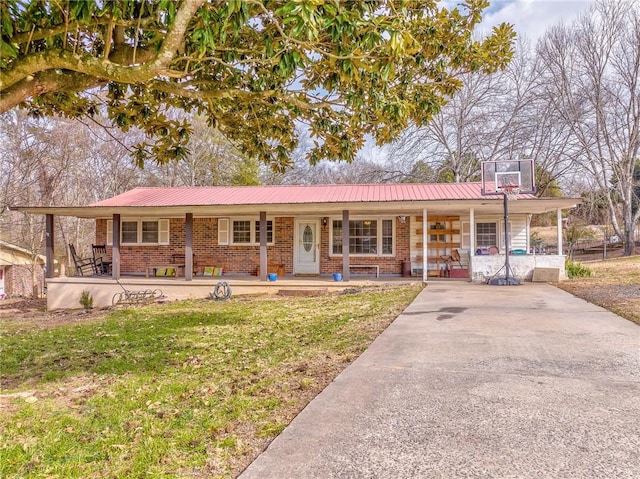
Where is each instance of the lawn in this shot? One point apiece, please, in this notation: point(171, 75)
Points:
point(177, 390)
point(614, 284)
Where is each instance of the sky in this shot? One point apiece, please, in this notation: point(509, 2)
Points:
point(532, 17)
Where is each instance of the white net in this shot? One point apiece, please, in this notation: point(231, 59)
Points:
point(512, 192)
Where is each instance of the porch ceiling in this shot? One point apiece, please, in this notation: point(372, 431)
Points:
point(486, 205)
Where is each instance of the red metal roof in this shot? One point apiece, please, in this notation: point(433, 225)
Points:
point(307, 194)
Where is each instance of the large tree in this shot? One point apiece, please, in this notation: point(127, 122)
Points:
point(501, 116)
point(255, 68)
point(592, 79)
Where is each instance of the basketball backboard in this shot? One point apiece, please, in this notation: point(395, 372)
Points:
point(502, 176)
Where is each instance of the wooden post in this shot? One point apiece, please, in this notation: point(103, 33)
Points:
point(472, 239)
point(425, 263)
point(115, 251)
point(560, 245)
point(263, 246)
point(49, 245)
point(472, 232)
point(188, 247)
point(345, 246)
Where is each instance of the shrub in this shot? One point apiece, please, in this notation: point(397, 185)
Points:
point(86, 300)
point(576, 270)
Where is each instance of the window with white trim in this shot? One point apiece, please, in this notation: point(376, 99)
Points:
point(367, 237)
point(139, 231)
point(486, 234)
point(247, 232)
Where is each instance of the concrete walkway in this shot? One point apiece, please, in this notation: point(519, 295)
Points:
point(477, 381)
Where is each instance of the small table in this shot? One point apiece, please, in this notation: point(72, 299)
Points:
point(153, 268)
point(106, 267)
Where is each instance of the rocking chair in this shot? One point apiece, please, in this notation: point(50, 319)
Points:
point(84, 266)
point(100, 258)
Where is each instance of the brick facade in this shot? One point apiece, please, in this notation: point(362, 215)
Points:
point(245, 259)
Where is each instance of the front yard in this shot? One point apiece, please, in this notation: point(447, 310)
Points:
point(614, 284)
point(188, 389)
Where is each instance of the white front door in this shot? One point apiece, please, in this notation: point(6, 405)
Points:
point(307, 247)
point(2, 293)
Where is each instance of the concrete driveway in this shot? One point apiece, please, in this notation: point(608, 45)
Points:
point(477, 381)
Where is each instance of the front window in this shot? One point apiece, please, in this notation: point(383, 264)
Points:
point(242, 231)
point(269, 232)
point(129, 232)
point(247, 232)
point(367, 237)
point(486, 235)
point(150, 231)
point(140, 231)
point(363, 237)
point(387, 237)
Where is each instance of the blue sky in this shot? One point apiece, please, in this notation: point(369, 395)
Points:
point(532, 17)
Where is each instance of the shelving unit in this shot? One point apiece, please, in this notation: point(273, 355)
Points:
point(443, 235)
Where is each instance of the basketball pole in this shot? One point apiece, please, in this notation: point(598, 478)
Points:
point(495, 280)
point(505, 200)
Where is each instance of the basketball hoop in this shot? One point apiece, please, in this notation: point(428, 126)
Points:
point(511, 191)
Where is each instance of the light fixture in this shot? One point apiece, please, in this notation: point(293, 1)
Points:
point(402, 219)
point(325, 220)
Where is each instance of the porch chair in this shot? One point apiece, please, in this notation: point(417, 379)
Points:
point(100, 258)
point(84, 266)
point(454, 257)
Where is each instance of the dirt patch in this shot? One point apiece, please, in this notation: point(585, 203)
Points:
point(25, 313)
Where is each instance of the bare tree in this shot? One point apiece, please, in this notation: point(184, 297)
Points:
point(212, 160)
point(592, 78)
point(497, 117)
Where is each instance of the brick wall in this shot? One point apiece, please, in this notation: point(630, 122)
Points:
point(244, 259)
point(18, 280)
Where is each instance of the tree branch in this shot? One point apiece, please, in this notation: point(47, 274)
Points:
point(103, 69)
point(183, 90)
point(43, 83)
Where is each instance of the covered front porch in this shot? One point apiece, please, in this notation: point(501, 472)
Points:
point(308, 233)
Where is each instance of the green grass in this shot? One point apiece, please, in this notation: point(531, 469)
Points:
point(189, 388)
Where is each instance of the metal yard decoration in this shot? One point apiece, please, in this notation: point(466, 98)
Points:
point(135, 297)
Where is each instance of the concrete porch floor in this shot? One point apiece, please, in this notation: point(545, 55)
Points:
point(64, 292)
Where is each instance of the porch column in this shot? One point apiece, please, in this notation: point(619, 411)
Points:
point(188, 247)
point(425, 227)
point(560, 245)
point(345, 246)
point(263, 246)
point(48, 245)
point(472, 232)
point(115, 251)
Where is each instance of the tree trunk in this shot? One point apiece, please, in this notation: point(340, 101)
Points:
point(629, 245)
